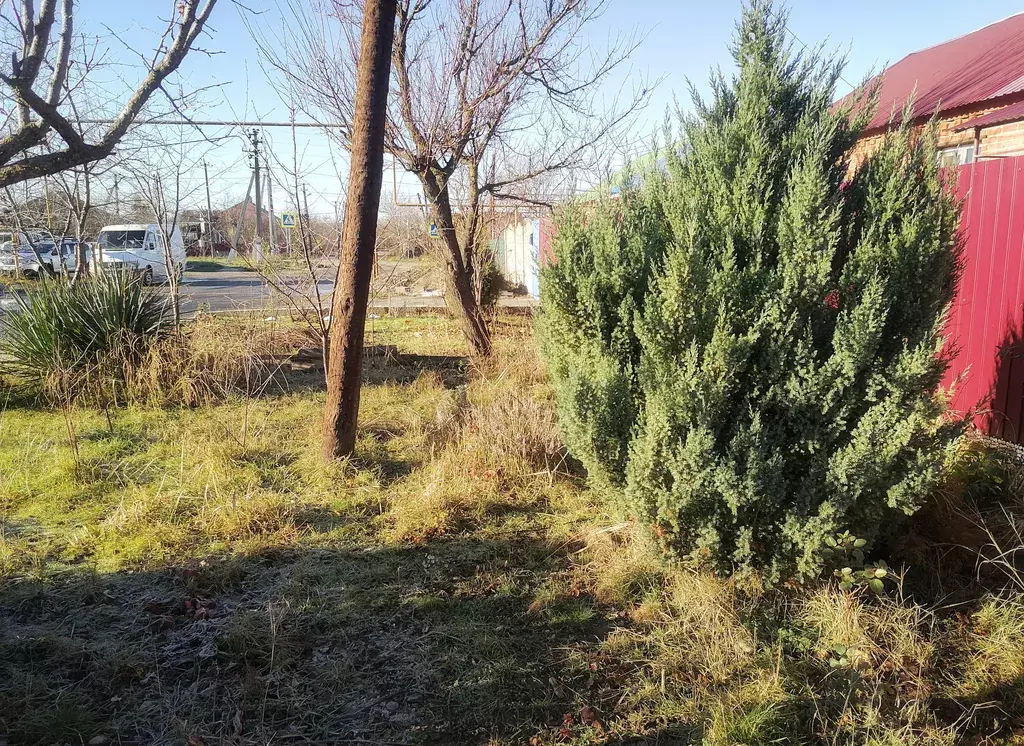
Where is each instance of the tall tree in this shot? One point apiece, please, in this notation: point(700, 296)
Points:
point(352, 288)
point(41, 106)
point(747, 349)
point(489, 97)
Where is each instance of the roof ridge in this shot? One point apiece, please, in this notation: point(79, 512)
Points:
point(963, 36)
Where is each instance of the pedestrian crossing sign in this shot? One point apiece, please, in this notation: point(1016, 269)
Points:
point(287, 219)
point(433, 230)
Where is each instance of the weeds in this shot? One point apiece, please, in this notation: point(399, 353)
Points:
point(200, 574)
point(995, 642)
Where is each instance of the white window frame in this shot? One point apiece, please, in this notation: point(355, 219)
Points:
point(957, 155)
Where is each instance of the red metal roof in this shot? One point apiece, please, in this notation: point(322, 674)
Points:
point(1011, 113)
point(984, 64)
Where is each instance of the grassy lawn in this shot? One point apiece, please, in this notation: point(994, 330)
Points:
point(198, 576)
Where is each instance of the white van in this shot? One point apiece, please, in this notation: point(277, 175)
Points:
point(142, 246)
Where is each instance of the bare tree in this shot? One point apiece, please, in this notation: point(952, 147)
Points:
point(40, 104)
point(77, 187)
point(488, 97)
point(166, 175)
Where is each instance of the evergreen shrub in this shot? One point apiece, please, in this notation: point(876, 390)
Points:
point(747, 347)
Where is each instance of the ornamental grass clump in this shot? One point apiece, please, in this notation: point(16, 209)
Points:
point(65, 338)
point(747, 347)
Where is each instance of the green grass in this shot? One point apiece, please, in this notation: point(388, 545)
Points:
point(215, 264)
point(201, 574)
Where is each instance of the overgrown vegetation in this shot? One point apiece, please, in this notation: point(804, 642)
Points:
point(747, 347)
point(178, 565)
point(198, 574)
point(107, 341)
point(65, 331)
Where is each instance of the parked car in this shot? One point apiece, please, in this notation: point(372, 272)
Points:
point(142, 246)
point(64, 256)
point(45, 256)
point(30, 257)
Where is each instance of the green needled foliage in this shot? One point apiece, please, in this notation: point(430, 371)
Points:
point(747, 347)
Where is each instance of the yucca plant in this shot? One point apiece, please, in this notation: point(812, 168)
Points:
point(70, 332)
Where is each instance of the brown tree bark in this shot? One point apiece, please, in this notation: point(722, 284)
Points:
point(461, 265)
point(352, 288)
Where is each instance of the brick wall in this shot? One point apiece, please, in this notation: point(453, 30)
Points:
point(1000, 140)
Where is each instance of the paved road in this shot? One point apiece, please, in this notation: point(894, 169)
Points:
point(240, 290)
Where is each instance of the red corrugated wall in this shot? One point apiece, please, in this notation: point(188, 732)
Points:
point(548, 231)
point(987, 375)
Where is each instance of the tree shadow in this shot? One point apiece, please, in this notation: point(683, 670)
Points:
point(445, 643)
point(1002, 410)
point(393, 368)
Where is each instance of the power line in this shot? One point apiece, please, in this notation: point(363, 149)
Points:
point(219, 123)
point(807, 49)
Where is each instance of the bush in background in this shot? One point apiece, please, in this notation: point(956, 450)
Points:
point(749, 346)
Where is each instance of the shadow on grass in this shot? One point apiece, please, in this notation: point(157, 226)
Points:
point(213, 265)
point(436, 644)
point(451, 370)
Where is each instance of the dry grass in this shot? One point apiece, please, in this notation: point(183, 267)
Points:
point(207, 362)
point(492, 446)
point(201, 574)
point(626, 566)
point(880, 635)
point(995, 651)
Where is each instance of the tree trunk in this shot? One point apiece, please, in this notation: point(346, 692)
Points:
point(471, 316)
point(460, 270)
point(366, 172)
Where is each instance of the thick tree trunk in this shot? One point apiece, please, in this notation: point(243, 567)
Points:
point(352, 289)
point(470, 315)
point(460, 271)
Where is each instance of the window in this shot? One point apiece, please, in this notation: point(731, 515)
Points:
point(957, 155)
point(121, 239)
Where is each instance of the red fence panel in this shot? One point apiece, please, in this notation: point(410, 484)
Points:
point(985, 325)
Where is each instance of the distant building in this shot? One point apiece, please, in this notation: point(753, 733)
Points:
point(976, 84)
point(521, 249)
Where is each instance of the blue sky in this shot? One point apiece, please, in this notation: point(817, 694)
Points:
point(684, 40)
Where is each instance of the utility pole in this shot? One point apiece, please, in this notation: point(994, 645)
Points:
point(117, 199)
point(209, 211)
point(254, 138)
point(359, 237)
point(270, 211)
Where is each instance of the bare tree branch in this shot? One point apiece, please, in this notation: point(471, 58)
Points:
point(487, 97)
point(42, 114)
